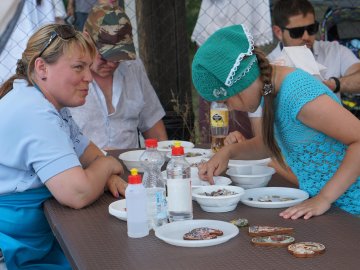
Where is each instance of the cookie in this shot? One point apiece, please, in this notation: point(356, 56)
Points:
point(240, 222)
point(306, 249)
point(268, 230)
point(273, 240)
point(202, 233)
point(208, 230)
point(198, 236)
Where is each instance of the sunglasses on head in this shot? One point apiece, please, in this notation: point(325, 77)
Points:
point(65, 32)
point(298, 32)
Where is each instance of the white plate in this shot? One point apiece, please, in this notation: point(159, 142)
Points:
point(239, 163)
point(166, 145)
point(172, 233)
point(256, 193)
point(118, 209)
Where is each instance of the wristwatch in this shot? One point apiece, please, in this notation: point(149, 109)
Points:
point(337, 83)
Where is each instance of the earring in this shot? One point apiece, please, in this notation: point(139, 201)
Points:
point(267, 89)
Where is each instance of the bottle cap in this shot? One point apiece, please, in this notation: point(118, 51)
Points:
point(134, 177)
point(151, 143)
point(177, 149)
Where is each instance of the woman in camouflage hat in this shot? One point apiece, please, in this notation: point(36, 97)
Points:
point(43, 154)
point(304, 123)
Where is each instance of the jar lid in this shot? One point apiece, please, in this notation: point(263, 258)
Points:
point(151, 143)
point(134, 177)
point(177, 149)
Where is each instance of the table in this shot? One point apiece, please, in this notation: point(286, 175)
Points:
point(93, 239)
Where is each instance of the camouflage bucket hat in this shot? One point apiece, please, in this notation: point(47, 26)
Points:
point(111, 30)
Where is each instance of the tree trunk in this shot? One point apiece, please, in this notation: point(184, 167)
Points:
point(163, 47)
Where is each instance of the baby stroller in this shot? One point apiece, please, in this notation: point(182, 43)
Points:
point(343, 24)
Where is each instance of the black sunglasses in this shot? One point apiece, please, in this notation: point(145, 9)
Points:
point(298, 32)
point(65, 32)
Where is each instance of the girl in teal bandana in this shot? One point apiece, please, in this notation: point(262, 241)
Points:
point(304, 125)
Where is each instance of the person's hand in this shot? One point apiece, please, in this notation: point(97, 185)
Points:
point(215, 166)
point(116, 185)
point(70, 10)
point(234, 137)
point(116, 166)
point(315, 206)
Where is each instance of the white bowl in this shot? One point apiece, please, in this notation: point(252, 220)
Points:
point(197, 182)
point(223, 203)
point(195, 156)
point(241, 163)
point(131, 159)
point(165, 146)
point(250, 176)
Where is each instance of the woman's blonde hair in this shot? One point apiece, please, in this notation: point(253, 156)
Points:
point(58, 47)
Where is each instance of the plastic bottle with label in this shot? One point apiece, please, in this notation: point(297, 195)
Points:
point(219, 122)
point(136, 208)
point(152, 161)
point(179, 185)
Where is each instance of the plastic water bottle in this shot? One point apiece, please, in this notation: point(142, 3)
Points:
point(137, 225)
point(219, 122)
point(179, 185)
point(152, 161)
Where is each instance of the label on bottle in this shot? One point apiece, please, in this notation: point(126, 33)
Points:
point(179, 195)
point(160, 204)
point(219, 117)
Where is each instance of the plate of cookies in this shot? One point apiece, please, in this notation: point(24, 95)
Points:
point(197, 232)
point(273, 197)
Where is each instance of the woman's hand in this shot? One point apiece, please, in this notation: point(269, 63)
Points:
point(116, 166)
point(234, 137)
point(315, 206)
point(215, 166)
point(116, 185)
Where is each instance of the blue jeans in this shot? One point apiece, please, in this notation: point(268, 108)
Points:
point(80, 19)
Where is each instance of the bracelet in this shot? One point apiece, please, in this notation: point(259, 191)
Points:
point(337, 83)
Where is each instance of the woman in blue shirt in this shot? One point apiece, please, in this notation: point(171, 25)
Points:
point(42, 151)
point(304, 124)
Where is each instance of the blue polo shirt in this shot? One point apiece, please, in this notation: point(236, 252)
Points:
point(36, 141)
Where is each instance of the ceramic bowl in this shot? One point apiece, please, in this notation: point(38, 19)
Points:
point(131, 159)
point(165, 146)
point(250, 176)
point(242, 163)
point(220, 203)
point(195, 156)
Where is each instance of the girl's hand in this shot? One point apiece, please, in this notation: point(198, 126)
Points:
point(315, 206)
point(234, 137)
point(215, 166)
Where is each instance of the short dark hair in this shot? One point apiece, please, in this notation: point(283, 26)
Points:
point(284, 9)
